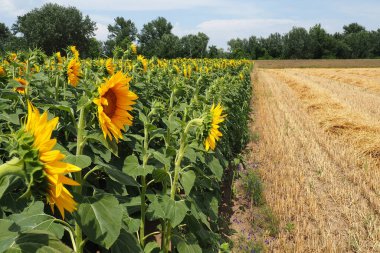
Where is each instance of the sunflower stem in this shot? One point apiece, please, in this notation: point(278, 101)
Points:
point(12, 167)
point(78, 175)
point(144, 187)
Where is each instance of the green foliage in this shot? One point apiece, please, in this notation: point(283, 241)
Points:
point(158, 178)
point(53, 27)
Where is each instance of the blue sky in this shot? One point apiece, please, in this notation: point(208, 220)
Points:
point(221, 20)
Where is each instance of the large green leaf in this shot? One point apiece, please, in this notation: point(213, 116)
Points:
point(38, 241)
point(215, 167)
point(5, 182)
point(132, 167)
point(13, 240)
point(34, 218)
point(184, 247)
point(120, 176)
point(100, 218)
point(126, 243)
point(165, 207)
point(82, 161)
point(187, 181)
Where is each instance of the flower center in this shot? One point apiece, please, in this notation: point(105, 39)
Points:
point(109, 109)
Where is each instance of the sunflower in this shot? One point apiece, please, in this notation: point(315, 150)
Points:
point(23, 82)
point(143, 61)
point(134, 48)
point(114, 104)
point(74, 51)
point(214, 134)
point(59, 57)
point(109, 66)
point(41, 129)
point(73, 72)
point(2, 71)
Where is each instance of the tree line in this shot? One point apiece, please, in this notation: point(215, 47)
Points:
point(52, 28)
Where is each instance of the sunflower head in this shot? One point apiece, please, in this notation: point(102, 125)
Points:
point(2, 71)
point(114, 105)
point(134, 48)
point(75, 52)
point(143, 61)
point(212, 122)
point(59, 57)
point(23, 82)
point(45, 172)
point(109, 66)
point(73, 72)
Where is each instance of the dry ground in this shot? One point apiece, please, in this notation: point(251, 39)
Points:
point(319, 154)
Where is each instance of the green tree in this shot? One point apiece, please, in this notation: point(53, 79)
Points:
point(194, 46)
point(297, 44)
point(121, 34)
point(322, 44)
point(353, 28)
point(238, 48)
point(53, 27)
point(169, 46)
point(151, 35)
point(273, 45)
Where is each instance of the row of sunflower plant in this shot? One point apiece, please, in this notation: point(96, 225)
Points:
point(123, 154)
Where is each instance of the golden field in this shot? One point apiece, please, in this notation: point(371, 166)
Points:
point(319, 155)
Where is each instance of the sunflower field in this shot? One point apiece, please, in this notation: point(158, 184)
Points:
point(124, 154)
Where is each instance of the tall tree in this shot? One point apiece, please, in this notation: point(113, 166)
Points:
point(122, 33)
point(194, 46)
point(151, 35)
point(53, 27)
point(297, 44)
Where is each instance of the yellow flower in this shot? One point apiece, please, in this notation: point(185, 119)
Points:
point(114, 104)
point(23, 82)
point(59, 57)
point(73, 72)
point(2, 71)
point(41, 128)
point(134, 48)
point(109, 66)
point(143, 61)
point(74, 51)
point(214, 134)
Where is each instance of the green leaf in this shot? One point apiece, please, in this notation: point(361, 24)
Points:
point(215, 167)
point(184, 247)
point(160, 175)
point(34, 218)
point(161, 158)
point(8, 234)
point(5, 182)
point(190, 154)
point(84, 101)
point(38, 241)
point(165, 207)
point(120, 176)
point(176, 212)
point(187, 181)
point(12, 240)
point(126, 243)
point(110, 145)
point(100, 218)
point(130, 224)
point(132, 167)
point(151, 246)
point(82, 161)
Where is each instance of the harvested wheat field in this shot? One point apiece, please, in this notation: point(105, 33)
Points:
point(319, 154)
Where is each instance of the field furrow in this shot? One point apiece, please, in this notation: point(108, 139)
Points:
point(318, 166)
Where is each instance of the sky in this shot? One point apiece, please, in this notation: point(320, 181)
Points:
point(221, 20)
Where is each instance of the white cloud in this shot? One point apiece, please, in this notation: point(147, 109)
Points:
point(222, 30)
point(131, 5)
point(102, 32)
